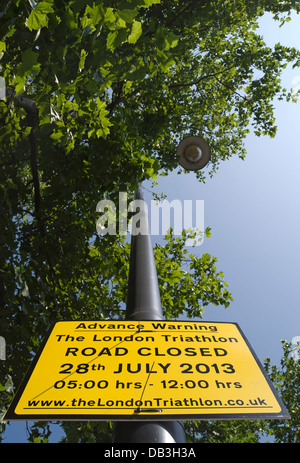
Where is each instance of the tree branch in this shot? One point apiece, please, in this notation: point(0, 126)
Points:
point(233, 91)
point(11, 163)
point(32, 116)
point(184, 10)
point(36, 181)
point(117, 99)
point(196, 82)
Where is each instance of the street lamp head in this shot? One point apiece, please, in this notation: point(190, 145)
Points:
point(193, 153)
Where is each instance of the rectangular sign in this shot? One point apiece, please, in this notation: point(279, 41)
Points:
point(145, 370)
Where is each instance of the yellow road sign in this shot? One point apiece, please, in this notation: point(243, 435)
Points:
point(145, 370)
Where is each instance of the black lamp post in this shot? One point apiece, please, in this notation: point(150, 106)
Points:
point(143, 302)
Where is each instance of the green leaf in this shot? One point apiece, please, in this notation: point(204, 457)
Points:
point(128, 15)
point(147, 3)
point(136, 32)
point(2, 47)
point(69, 17)
point(115, 38)
point(82, 60)
point(95, 14)
point(44, 7)
point(208, 232)
point(171, 41)
point(56, 135)
point(20, 81)
point(165, 65)
point(109, 15)
point(36, 20)
point(111, 40)
point(29, 59)
point(29, 66)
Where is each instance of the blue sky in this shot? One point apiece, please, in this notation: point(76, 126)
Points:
point(252, 207)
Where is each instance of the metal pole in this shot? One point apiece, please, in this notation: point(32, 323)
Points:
point(143, 303)
point(143, 298)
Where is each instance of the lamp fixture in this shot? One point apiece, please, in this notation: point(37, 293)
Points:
point(193, 153)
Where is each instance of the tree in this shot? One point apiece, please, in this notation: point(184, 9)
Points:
point(98, 94)
point(286, 379)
